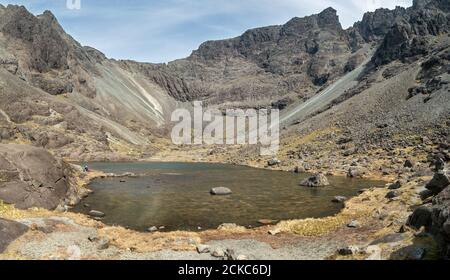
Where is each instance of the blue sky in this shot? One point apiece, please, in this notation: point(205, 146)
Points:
point(164, 30)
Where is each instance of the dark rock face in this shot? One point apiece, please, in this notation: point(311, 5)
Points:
point(48, 49)
point(375, 25)
point(10, 231)
point(436, 217)
point(31, 177)
point(408, 36)
point(304, 53)
point(439, 182)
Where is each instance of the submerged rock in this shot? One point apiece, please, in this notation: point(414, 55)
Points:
point(220, 191)
point(96, 214)
point(339, 199)
point(267, 222)
point(318, 180)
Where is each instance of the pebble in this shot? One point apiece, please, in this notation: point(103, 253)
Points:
point(274, 231)
point(354, 224)
point(152, 229)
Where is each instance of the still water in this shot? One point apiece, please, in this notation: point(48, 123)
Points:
point(176, 195)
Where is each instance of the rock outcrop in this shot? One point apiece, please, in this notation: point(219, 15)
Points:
point(32, 177)
point(408, 37)
point(435, 217)
point(10, 231)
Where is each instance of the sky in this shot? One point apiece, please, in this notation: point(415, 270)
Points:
point(164, 30)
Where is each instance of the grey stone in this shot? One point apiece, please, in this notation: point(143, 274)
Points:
point(339, 199)
point(221, 191)
point(354, 224)
point(273, 162)
point(96, 214)
point(318, 180)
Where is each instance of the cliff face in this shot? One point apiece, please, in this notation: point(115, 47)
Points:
point(268, 63)
point(411, 34)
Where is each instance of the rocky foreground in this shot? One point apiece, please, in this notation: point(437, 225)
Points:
point(407, 219)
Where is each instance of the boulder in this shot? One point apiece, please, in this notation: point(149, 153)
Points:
point(32, 177)
point(315, 181)
point(439, 165)
point(10, 231)
point(355, 172)
point(392, 194)
point(408, 164)
point(421, 217)
point(273, 162)
point(339, 199)
point(439, 182)
point(221, 191)
point(395, 186)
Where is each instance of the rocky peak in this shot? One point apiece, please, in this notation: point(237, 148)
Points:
point(375, 25)
point(328, 18)
point(409, 36)
point(419, 4)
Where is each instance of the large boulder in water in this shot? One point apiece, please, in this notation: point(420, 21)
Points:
point(318, 180)
point(10, 231)
point(32, 177)
point(220, 191)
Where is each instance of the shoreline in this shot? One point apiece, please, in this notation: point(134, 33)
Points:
point(293, 230)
